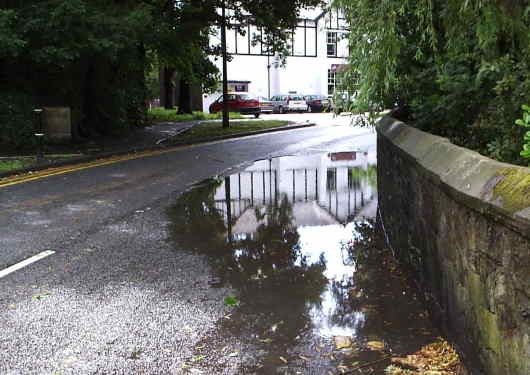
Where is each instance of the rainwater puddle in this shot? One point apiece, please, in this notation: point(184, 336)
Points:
point(294, 238)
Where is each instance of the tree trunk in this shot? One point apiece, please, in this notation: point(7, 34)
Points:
point(88, 110)
point(169, 100)
point(184, 97)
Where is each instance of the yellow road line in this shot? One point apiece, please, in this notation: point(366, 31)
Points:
point(27, 177)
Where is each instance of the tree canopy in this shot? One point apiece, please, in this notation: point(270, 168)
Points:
point(460, 68)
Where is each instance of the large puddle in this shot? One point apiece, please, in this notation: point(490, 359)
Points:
point(294, 237)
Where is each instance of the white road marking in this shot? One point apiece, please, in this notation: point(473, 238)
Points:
point(24, 263)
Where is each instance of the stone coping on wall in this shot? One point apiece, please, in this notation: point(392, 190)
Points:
point(493, 188)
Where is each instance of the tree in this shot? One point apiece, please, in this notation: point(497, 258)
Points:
point(276, 20)
point(461, 68)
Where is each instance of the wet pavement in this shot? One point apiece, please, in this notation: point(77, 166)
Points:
point(317, 293)
point(138, 280)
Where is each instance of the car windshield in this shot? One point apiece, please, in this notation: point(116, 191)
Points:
point(297, 97)
point(229, 97)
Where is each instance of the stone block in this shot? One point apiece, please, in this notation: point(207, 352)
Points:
point(57, 123)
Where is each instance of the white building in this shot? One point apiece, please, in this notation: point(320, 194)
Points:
point(318, 47)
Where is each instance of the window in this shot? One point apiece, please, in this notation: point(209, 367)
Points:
point(331, 82)
point(230, 97)
point(335, 20)
point(332, 43)
point(240, 88)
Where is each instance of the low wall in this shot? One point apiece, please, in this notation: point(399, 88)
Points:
point(462, 221)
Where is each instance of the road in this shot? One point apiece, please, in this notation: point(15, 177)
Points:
point(115, 297)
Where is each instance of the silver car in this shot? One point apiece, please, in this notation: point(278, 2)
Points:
point(289, 103)
point(265, 105)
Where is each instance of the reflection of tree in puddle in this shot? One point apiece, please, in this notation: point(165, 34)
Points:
point(274, 281)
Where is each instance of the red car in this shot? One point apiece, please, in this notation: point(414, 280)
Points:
point(239, 102)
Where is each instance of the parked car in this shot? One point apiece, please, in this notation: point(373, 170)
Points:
point(317, 103)
point(240, 102)
point(265, 105)
point(289, 103)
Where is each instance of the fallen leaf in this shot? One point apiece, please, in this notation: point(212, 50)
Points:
point(375, 345)
point(231, 301)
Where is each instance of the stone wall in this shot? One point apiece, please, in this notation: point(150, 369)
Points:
point(462, 221)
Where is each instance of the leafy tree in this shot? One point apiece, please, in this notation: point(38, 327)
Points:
point(462, 69)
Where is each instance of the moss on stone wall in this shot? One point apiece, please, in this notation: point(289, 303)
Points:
point(513, 189)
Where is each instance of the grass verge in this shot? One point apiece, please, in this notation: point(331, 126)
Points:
point(13, 163)
point(170, 115)
point(215, 129)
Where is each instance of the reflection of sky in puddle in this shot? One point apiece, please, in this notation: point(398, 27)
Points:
point(328, 240)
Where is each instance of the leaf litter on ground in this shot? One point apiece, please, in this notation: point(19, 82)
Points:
point(438, 358)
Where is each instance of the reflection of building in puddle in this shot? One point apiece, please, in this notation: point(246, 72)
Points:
point(323, 194)
point(282, 242)
point(324, 189)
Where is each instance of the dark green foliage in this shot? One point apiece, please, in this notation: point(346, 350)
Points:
point(16, 119)
point(461, 67)
point(525, 123)
point(86, 55)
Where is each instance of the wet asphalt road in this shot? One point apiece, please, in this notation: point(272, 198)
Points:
point(116, 298)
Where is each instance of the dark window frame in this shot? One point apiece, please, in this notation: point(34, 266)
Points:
point(332, 82)
point(307, 25)
point(332, 41)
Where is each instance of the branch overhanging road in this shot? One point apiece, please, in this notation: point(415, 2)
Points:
point(114, 297)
